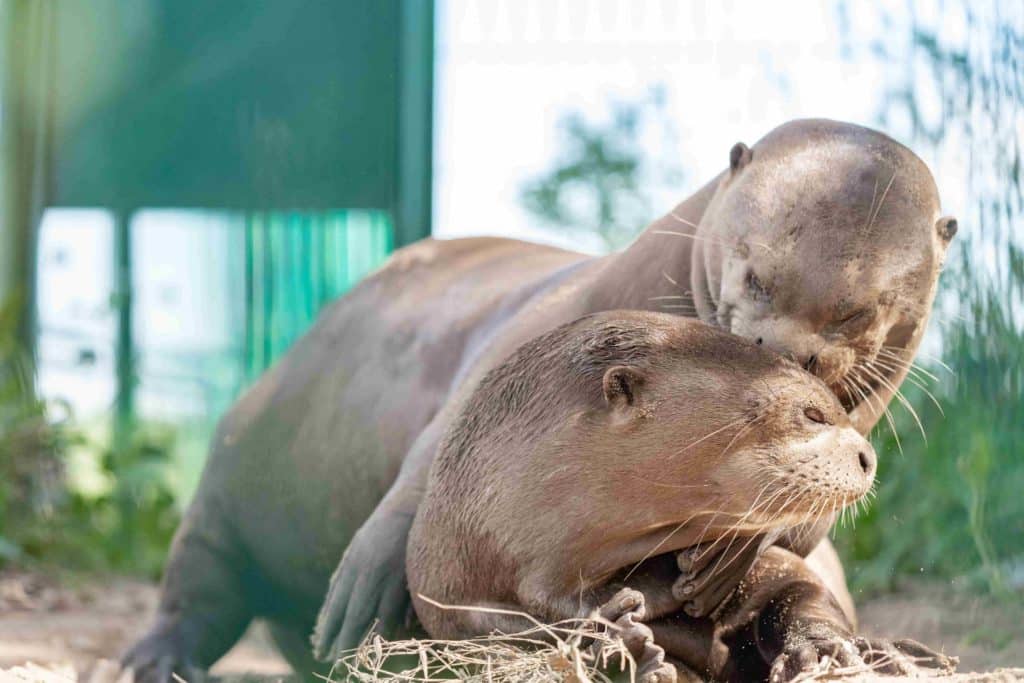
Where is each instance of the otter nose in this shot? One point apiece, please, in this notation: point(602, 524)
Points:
point(867, 461)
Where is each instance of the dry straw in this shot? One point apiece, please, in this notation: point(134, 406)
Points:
point(573, 650)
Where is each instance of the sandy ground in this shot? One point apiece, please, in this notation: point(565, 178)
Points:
point(78, 622)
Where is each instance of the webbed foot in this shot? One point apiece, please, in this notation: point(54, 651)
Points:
point(625, 610)
point(368, 589)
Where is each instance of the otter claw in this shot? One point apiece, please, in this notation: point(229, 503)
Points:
point(903, 657)
point(897, 658)
point(624, 611)
point(709, 574)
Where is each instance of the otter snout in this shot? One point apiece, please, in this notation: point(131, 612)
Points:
point(834, 468)
point(855, 463)
point(867, 461)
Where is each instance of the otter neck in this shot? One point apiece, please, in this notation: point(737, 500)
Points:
point(656, 264)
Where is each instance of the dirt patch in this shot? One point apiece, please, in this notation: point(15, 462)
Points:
point(77, 622)
point(984, 632)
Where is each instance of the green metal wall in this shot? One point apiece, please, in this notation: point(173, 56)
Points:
point(295, 263)
point(303, 117)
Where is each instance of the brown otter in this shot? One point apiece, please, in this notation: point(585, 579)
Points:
point(626, 434)
point(339, 435)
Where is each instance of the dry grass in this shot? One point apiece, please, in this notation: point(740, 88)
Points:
point(573, 651)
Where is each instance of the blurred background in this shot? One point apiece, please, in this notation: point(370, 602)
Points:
point(184, 185)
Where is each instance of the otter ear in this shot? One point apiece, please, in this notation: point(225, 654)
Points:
point(946, 227)
point(739, 156)
point(622, 386)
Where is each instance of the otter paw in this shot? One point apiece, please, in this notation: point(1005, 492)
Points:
point(161, 655)
point(904, 657)
point(711, 571)
point(823, 653)
point(624, 611)
point(368, 590)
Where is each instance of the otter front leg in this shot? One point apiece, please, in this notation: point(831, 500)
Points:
point(203, 608)
point(369, 588)
point(797, 625)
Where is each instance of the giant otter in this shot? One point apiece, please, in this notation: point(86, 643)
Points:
point(330, 449)
point(622, 435)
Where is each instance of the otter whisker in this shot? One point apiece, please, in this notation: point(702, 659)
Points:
point(900, 364)
point(907, 364)
point(718, 565)
point(733, 533)
point(711, 434)
point(871, 209)
point(669, 296)
point(853, 381)
point(856, 379)
point(709, 240)
point(666, 485)
point(937, 360)
point(682, 220)
point(669, 278)
point(902, 399)
point(804, 529)
point(808, 529)
point(899, 351)
point(892, 369)
point(696, 238)
point(822, 509)
point(735, 527)
point(860, 390)
point(742, 432)
point(848, 390)
point(732, 528)
point(917, 383)
point(650, 553)
point(882, 200)
point(910, 366)
point(714, 514)
point(840, 511)
point(888, 414)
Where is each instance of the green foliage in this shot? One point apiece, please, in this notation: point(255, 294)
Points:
point(952, 505)
point(125, 526)
point(603, 180)
point(29, 443)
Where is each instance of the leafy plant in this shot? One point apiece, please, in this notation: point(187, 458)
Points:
point(951, 505)
point(30, 445)
point(44, 518)
point(603, 181)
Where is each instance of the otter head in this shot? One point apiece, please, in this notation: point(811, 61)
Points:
point(697, 433)
point(824, 243)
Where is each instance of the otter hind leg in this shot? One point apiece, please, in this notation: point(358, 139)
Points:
point(203, 608)
point(293, 643)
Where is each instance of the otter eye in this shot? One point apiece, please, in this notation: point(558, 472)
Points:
point(815, 415)
point(757, 289)
point(852, 321)
point(853, 317)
